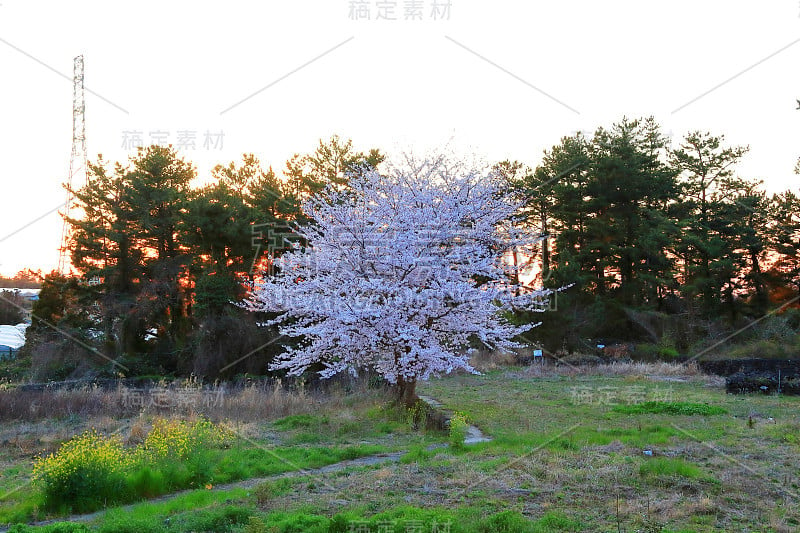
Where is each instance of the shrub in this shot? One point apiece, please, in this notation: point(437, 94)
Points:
point(11, 304)
point(91, 470)
point(178, 453)
point(458, 430)
point(85, 472)
point(171, 438)
point(148, 482)
point(417, 414)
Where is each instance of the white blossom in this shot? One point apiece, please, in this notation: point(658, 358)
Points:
point(401, 271)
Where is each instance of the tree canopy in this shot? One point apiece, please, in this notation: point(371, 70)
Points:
point(400, 273)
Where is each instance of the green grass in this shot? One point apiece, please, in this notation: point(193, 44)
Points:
point(191, 513)
point(374, 423)
point(554, 464)
point(205, 466)
point(58, 527)
point(635, 435)
point(661, 467)
point(578, 456)
point(300, 421)
point(145, 517)
point(409, 518)
point(261, 462)
point(671, 408)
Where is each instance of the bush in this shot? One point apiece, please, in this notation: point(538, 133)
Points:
point(458, 430)
point(91, 470)
point(84, 473)
point(178, 454)
point(148, 482)
point(176, 439)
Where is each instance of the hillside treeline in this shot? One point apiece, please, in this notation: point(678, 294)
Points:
point(666, 245)
point(656, 245)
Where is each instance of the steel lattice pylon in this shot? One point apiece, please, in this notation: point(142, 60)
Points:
point(77, 163)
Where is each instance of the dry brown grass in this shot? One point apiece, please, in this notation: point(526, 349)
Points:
point(38, 422)
point(486, 360)
point(658, 371)
point(256, 401)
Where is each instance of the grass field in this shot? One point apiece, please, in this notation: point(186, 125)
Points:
point(633, 448)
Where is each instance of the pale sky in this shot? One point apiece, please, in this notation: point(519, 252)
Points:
point(503, 79)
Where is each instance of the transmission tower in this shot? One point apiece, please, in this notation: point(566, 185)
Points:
point(77, 162)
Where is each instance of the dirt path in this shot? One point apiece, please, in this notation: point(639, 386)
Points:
point(474, 435)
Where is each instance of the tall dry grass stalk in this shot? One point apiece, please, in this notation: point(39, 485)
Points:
point(664, 369)
point(258, 401)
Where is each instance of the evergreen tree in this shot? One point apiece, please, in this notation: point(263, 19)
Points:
point(707, 246)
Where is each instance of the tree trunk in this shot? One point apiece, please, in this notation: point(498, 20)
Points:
point(761, 299)
point(545, 249)
point(406, 393)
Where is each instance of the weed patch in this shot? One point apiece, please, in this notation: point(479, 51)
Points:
point(458, 430)
point(299, 422)
point(671, 408)
point(91, 471)
point(666, 467)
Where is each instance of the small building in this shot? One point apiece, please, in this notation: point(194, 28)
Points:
point(29, 295)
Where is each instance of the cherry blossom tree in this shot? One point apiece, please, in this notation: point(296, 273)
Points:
point(401, 273)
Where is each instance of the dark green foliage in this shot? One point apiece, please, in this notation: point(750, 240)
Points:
point(160, 263)
point(655, 242)
point(11, 308)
